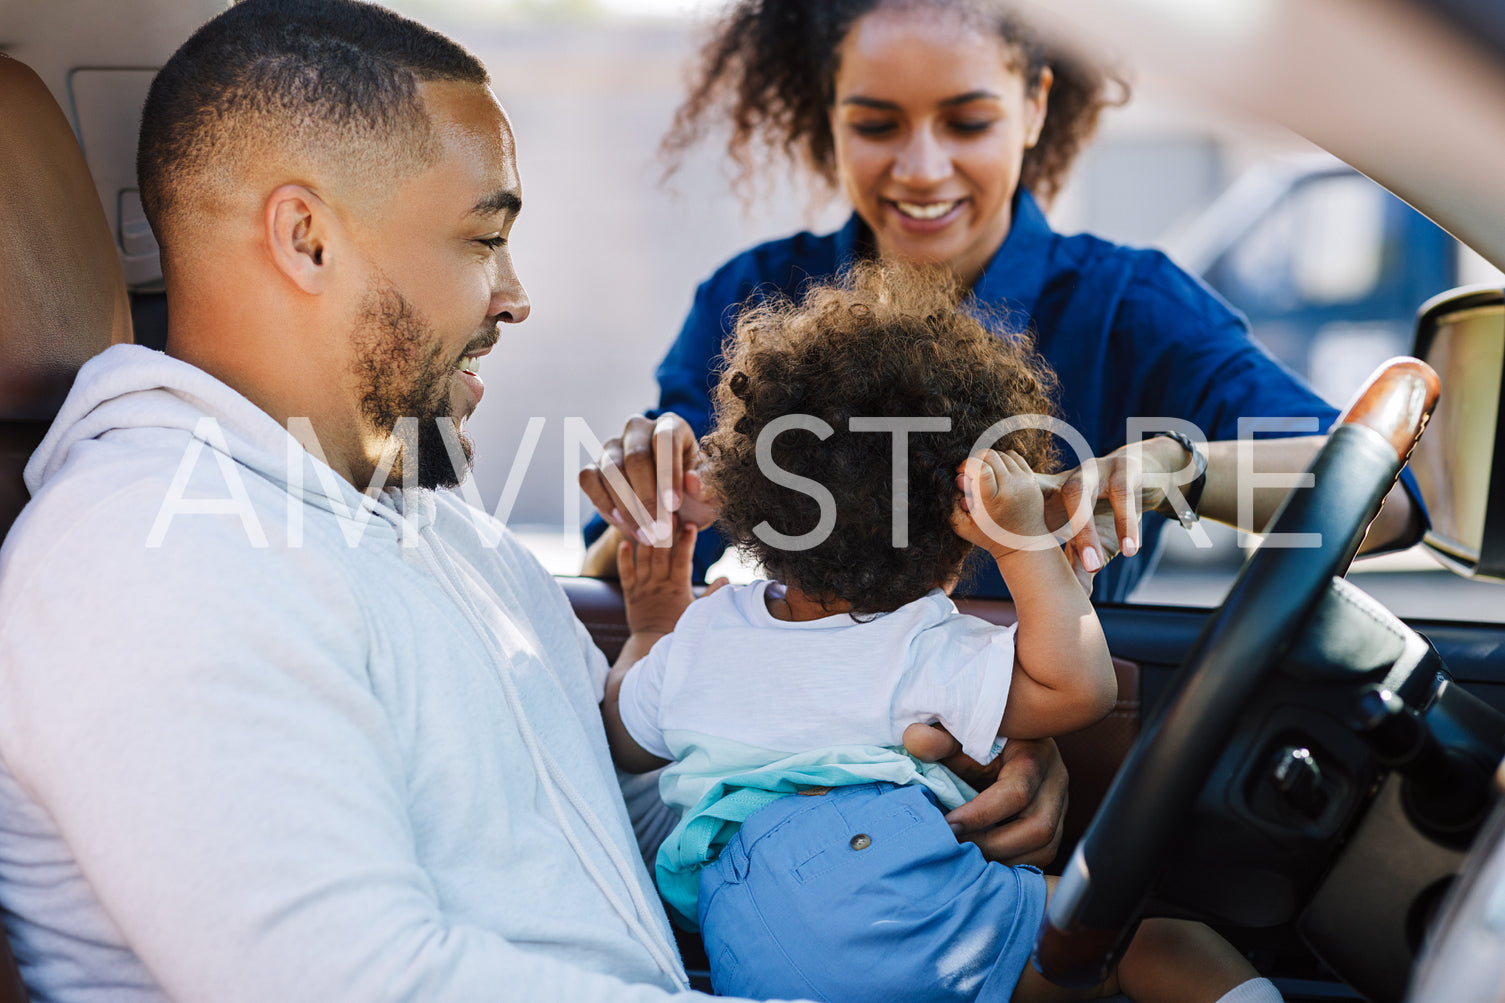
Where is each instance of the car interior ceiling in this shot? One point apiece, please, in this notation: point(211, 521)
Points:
point(51, 211)
point(1480, 19)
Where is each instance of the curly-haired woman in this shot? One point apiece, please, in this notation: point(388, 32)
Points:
point(946, 123)
point(803, 684)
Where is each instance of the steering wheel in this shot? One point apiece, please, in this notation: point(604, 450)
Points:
point(1118, 862)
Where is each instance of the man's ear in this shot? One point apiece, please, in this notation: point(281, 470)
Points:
point(299, 226)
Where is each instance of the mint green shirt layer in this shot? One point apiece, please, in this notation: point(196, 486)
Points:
point(716, 802)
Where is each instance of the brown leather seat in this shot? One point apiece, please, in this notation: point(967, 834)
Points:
point(62, 296)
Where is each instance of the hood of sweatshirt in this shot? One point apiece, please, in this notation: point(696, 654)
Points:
point(130, 386)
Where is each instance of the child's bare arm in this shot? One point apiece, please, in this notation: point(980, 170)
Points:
point(1063, 677)
point(656, 590)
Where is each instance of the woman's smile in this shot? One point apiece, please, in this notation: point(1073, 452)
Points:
point(928, 217)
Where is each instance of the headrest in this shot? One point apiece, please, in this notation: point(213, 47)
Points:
point(62, 297)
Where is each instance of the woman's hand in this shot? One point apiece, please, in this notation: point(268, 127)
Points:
point(1020, 809)
point(1120, 487)
point(645, 482)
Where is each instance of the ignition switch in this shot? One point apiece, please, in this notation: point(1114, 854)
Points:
point(1298, 778)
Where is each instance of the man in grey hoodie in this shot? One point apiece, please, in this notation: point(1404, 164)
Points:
point(279, 721)
point(266, 735)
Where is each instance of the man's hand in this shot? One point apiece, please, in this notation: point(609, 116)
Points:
point(1020, 809)
point(625, 486)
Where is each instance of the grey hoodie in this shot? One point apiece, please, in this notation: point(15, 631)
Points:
point(260, 749)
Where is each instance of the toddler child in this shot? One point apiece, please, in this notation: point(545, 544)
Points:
point(851, 458)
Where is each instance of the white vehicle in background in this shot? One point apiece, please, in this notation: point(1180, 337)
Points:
point(1330, 269)
point(1328, 266)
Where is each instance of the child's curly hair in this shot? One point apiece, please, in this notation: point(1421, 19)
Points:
point(883, 340)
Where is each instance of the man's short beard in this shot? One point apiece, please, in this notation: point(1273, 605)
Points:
point(405, 374)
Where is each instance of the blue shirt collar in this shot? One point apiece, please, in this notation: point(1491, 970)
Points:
point(1016, 275)
point(849, 239)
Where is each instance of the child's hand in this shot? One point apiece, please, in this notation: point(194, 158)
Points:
point(1001, 508)
point(656, 582)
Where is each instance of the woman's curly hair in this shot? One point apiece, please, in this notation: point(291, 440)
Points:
point(883, 340)
point(770, 68)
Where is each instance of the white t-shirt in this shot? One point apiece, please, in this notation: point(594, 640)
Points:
point(732, 670)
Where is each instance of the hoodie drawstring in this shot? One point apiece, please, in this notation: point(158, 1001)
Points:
point(556, 782)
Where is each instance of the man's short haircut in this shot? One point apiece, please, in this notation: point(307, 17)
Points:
point(882, 340)
point(330, 83)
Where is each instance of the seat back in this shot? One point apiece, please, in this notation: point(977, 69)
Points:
point(62, 297)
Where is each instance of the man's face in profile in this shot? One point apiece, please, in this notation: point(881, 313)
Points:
point(441, 279)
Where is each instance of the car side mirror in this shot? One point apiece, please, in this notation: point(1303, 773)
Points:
point(1460, 462)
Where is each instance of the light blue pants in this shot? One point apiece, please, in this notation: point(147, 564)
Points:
point(864, 894)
